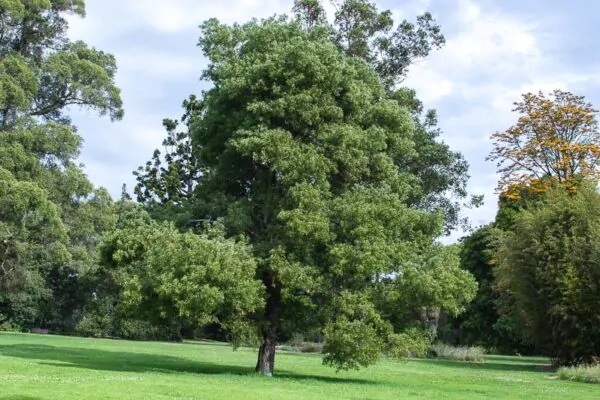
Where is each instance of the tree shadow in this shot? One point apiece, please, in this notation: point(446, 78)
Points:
point(19, 397)
point(104, 360)
point(495, 364)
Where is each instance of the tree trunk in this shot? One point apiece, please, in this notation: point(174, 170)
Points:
point(266, 357)
point(431, 317)
point(266, 353)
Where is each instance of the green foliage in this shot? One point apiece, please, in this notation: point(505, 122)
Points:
point(488, 320)
point(166, 183)
point(307, 155)
point(52, 246)
point(457, 353)
point(31, 234)
point(361, 30)
point(585, 374)
point(163, 275)
point(43, 72)
point(550, 264)
point(432, 285)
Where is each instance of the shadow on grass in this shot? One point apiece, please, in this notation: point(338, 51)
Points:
point(18, 397)
point(103, 360)
point(495, 364)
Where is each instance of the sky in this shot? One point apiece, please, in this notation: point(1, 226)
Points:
point(495, 51)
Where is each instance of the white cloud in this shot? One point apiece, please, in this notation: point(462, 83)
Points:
point(486, 65)
point(152, 76)
point(177, 15)
point(498, 44)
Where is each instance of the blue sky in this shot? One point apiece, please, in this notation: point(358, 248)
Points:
point(495, 51)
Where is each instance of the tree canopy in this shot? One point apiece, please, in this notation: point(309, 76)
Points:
point(50, 236)
point(375, 38)
point(555, 140)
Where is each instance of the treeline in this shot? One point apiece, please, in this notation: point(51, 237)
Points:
point(537, 263)
point(303, 193)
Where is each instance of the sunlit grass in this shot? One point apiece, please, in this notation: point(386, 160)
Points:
point(36, 367)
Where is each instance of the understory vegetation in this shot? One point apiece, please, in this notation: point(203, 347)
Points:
point(586, 374)
point(457, 353)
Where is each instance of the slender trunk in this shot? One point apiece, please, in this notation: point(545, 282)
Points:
point(266, 353)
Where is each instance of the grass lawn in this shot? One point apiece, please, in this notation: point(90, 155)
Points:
point(36, 367)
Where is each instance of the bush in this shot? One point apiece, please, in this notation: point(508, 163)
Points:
point(299, 344)
point(590, 374)
point(10, 327)
point(303, 347)
point(457, 353)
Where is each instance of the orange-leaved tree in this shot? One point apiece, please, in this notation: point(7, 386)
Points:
point(554, 142)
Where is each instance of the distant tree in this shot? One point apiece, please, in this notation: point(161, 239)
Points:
point(488, 320)
point(361, 30)
point(551, 265)
point(555, 140)
point(31, 236)
point(428, 289)
point(166, 182)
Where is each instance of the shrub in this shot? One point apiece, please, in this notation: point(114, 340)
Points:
point(303, 347)
point(589, 374)
point(299, 344)
point(457, 353)
point(10, 327)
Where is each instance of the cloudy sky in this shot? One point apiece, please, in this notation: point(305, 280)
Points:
point(495, 51)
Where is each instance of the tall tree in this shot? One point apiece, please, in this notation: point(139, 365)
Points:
point(361, 30)
point(555, 140)
point(42, 73)
point(302, 147)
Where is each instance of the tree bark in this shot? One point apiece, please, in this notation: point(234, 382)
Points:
point(266, 353)
point(431, 318)
point(266, 357)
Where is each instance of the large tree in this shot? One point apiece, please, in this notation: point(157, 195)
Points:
point(302, 147)
point(42, 73)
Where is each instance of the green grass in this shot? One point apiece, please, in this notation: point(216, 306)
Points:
point(36, 367)
point(580, 374)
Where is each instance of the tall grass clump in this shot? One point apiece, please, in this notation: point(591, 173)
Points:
point(457, 353)
point(586, 374)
